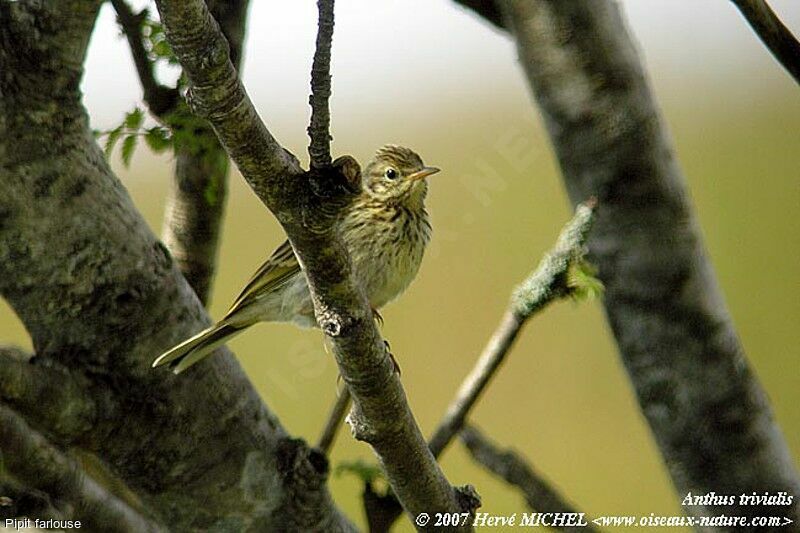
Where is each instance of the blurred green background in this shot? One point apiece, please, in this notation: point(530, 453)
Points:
point(449, 87)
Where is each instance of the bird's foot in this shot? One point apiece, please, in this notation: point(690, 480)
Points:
point(377, 317)
point(391, 356)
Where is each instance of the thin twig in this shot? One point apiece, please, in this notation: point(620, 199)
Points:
point(335, 421)
point(486, 9)
point(545, 285)
point(539, 494)
point(773, 33)
point(30, 458)
point(159, 98)
point(319, 149)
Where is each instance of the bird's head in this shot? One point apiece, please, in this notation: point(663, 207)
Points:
point(397, 175)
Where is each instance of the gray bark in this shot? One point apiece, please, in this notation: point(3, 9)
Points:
point(196, 203)
point(101, 297)
point(539, 494)
point(307, 206)
point(710, 416)
point(772, 32)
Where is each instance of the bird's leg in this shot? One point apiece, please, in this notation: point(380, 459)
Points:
point(391, 356)
point(377, 316)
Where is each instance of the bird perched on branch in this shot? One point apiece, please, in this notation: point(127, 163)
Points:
point(385, 229)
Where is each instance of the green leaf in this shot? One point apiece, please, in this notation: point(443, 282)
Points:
point(162, 50)
point(111, 140)
point(128, 146)
point(583, 282)
point(134, 119)
point(157, 138)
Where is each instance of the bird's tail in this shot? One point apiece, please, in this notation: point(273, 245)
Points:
point(198, 347)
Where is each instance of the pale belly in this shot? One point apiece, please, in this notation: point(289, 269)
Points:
point(385, 261)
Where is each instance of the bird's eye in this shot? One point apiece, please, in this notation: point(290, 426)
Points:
point(391, 173)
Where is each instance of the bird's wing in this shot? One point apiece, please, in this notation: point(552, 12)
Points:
point(275, 271)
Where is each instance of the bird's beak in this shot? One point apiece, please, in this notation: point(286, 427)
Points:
point(422, 174)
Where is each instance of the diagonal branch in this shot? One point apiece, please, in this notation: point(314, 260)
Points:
point(31, 459)
point(307, 205)
point(549, 282)
point(48, 394)
point(159, 98)
point(539, 494)
point(100, 295)
point(773, 33)
point(319, 149)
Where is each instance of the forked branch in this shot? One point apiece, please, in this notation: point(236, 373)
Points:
point(307, 205)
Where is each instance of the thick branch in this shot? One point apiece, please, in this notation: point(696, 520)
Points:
point(544, 285)
point(319, 128)
point(773, 33)
point(709, 414)
point(17, 500)
point(159, 98)
point(47, 393)
point(30, 458)
point(194, 213)
point(196, 203)
point(101, 296)
point(307, 206)
point(539, 494)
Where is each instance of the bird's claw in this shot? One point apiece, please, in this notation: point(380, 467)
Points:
point(377, 317)
point(391, 356)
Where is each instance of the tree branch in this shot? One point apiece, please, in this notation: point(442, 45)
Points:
point(159, 98)
point(539, 494)
point(100, 296)
point(194, 212)
point(319, 149)
point(549, 282)
point(710, 416)
point(29, 457)
point(487, 9)
point(773, 33)
point(196, 203)
point(17, 500)
point(46, 393)
point(307, 206)
point(334, 422)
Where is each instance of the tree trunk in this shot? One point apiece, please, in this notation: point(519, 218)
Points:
point(101, 297)
point(710, 416)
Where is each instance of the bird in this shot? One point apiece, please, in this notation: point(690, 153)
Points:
point(386, 229)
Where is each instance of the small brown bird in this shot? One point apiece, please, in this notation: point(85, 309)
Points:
point(386, 229)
